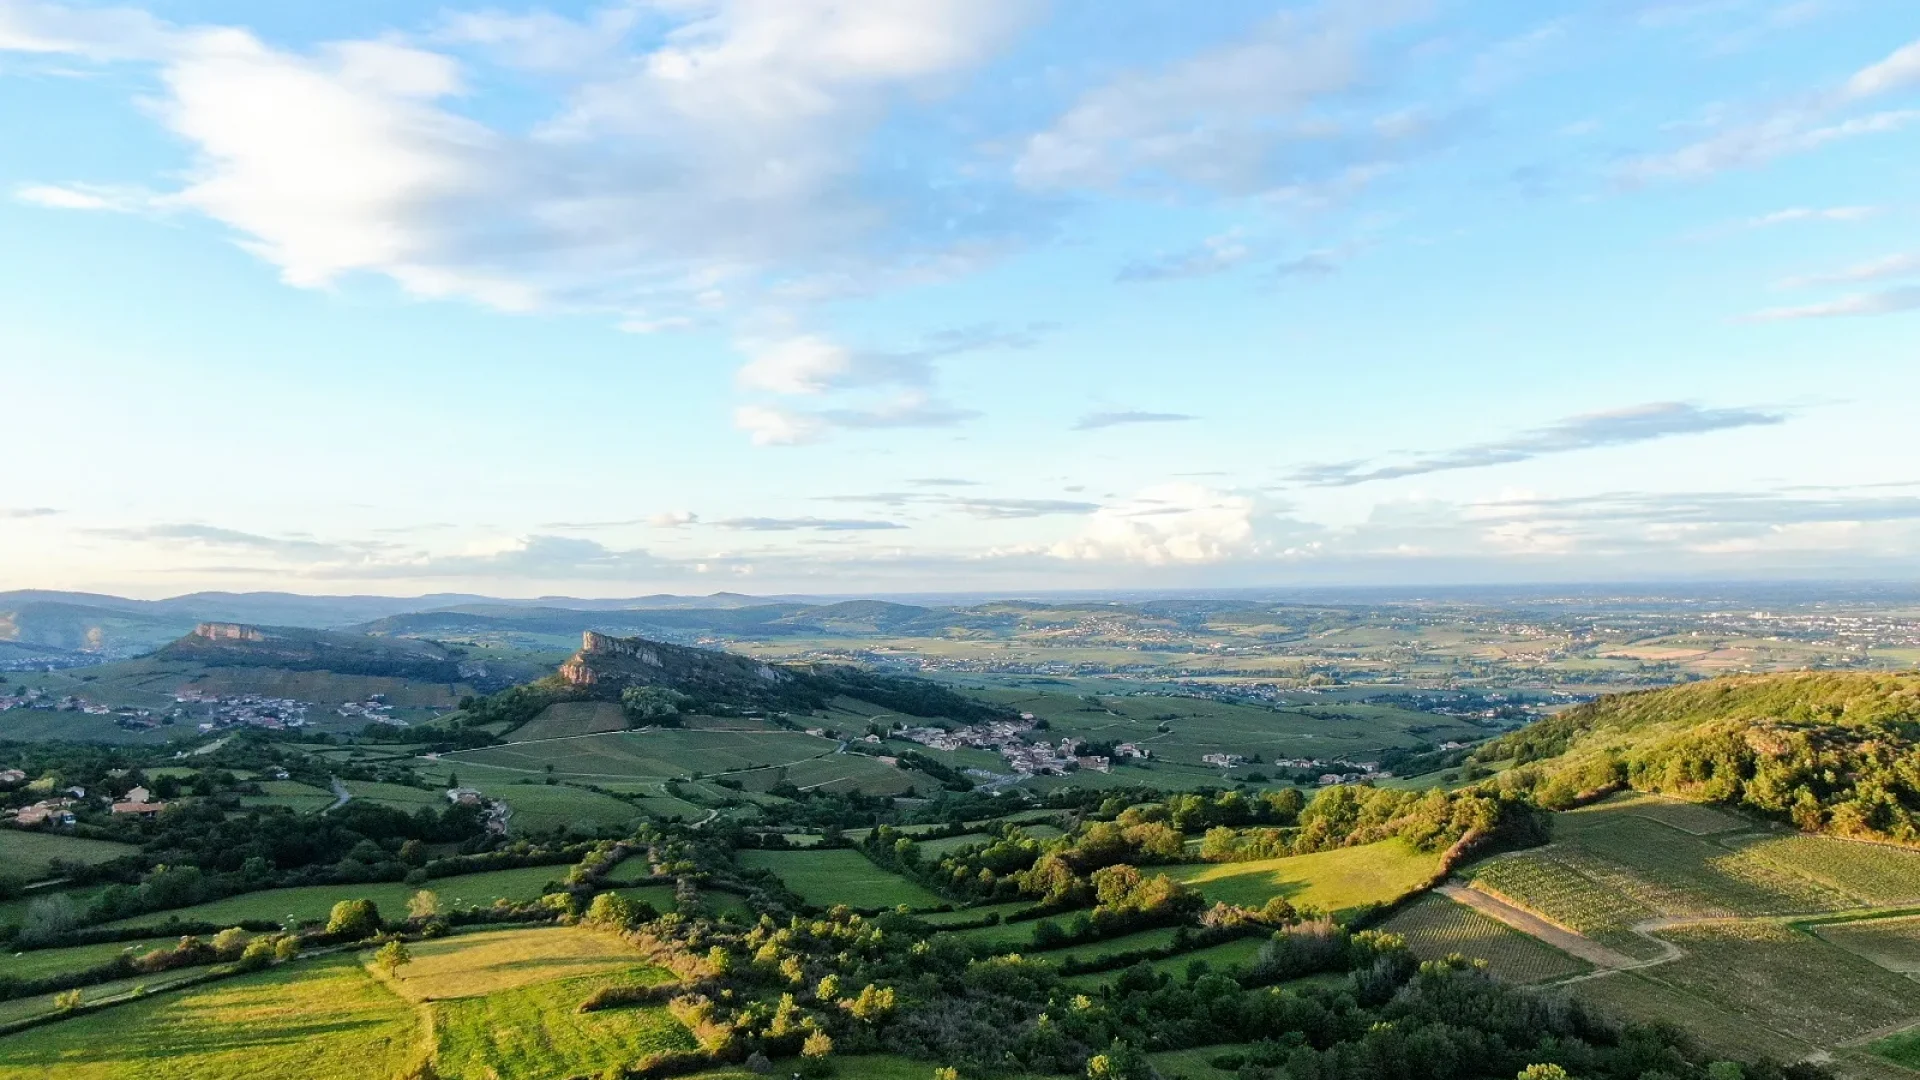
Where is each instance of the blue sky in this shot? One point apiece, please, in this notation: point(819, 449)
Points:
point(806, 295)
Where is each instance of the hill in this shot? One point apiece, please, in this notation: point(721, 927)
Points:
point(298, 649)
point(607, 666)
point(1827, 751)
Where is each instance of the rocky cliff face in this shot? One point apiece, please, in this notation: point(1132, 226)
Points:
point(219, 631)
point(605, 665)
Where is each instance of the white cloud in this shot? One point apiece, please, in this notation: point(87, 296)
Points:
point(673, 519)
point(1795, 128)
point(1255, 116)
point(84, 197)
point(1171, 523)
point(769, 426)
point(1881, 269)
point(1891, 302)
point(727, 154)
point(807, 364)
point(1807, 213)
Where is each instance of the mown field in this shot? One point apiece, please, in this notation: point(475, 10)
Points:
point(1338, 882)
point(1436, 927)
point(26, 855)
point(37, 963)
point(324, 1017)
point(312, 902)
point(839, 876)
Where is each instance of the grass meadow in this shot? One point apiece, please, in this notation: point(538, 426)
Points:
point(326, 1017)
point(839, 876)
point(26, 854)
point(313, 902)
point(1338, 882)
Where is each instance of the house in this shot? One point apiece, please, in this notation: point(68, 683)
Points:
point(278, 774)
point(142, 807)
point(465, 796)
point(46, 811)
point(139, 795)
point(12, 776)
point(1132, 750)
point(1096, 762)
point(1225, 761)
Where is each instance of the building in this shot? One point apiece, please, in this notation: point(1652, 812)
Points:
point(1095, 762)
point(1224, 761)
point(465, 796)
point(45, 812)
point(12, 776)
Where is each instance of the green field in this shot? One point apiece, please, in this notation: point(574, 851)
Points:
point(646, 754)
point(505, 1003)
point(26, 855)
point(1631, 996)
point(1436, 927)
point(325, 1017)
point(312, 902)
point(1336, 882)
point(397, 795)
point(839, 876)
point(38, 963)
point(540, 807)
point(292, 794)
point(569, 718)
point(1158, 938)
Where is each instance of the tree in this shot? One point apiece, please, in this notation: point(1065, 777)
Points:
point(653, 704)
point(354, 919)
point(424, 904)
point(611, 910)
point(1122, 1061)
point(229, 942)
point(1543, 1072)
point(392, 955)
point(67, 1000)
point(818, 1045)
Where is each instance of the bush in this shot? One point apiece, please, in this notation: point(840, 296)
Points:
point(354, 919)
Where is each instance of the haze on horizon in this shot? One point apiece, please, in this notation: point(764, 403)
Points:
point(827, 297)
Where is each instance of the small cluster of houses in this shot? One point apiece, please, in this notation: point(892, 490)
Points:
point(1009, 738)
point(1340, 770)
point(276, 714)
point(58, 810)
point(375, 710)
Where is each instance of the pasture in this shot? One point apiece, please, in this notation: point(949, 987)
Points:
point(326, 1017)
point(1338, 882)
point(309, 903)
point(541, 807)
point(658, 754)
point(28, 855)
point(489, 961)
point(292, 794)
point(1436, 927)
point(39, 963)
point(839, 876)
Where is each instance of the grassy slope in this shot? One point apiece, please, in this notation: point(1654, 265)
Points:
point(312, 902)
point(839, 876)
point(1336, 882)
point(321, 1018)
point(25, 854)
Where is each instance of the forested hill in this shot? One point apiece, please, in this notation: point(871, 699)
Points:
point(1828, 751)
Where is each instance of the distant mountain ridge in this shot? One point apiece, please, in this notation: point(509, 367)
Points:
point(300, 649)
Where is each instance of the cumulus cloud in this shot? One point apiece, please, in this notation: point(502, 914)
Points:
point(1172, 523)
point(724, 149)
point(1094, 421)
point(1619, 427)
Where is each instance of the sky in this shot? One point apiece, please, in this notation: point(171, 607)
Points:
point(827, 296)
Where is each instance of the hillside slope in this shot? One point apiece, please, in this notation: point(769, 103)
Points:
point(296, 649)
point(1829, 751)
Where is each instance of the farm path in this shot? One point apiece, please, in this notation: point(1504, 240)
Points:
point(1533, 925)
